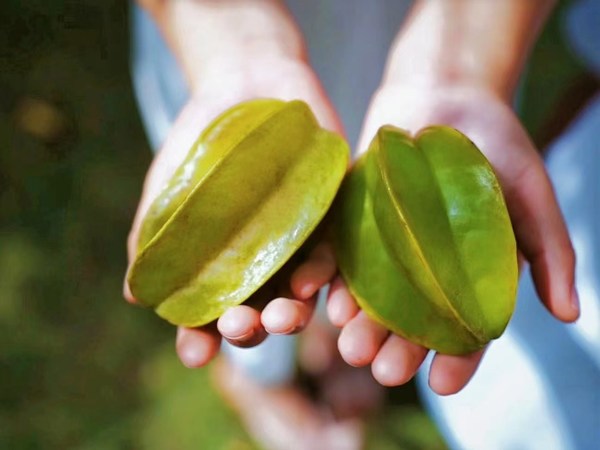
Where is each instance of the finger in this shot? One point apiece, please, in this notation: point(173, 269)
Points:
point(313, 274)
point(449, 374)
point(127, 292)
point(197, 346)
point(397, 361)
point(241, 326)
point(341, 307)
point(544, 240)
point(360, 340)
point(287, 316)
point(132, 239)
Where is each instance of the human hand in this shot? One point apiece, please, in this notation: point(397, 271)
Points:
point(285, 79)
point(542, 238)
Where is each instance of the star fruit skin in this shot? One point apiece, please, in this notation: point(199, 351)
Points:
point(252, 189)
point(424, 241)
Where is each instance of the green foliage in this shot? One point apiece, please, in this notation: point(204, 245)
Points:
point(555, 84)
point(404, 427)
point(183, 410)
point(72, 347)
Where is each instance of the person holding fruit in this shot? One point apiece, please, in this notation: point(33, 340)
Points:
point(455, 62)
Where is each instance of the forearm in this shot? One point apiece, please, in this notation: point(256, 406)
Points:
point(468, 42)
point(216, 39)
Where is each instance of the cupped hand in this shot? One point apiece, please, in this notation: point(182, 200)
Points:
point(242, 325)
point(538, 224)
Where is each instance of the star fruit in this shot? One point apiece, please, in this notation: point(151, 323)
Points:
point(424, 241)
point(253, 187)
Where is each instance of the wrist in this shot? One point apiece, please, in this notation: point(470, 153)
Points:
point(466, 42)
point(214, 38)
point(441, 64)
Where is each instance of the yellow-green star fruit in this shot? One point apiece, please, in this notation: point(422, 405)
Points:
point(253, 187)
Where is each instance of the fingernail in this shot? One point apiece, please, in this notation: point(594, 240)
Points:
point(234, 330)
point(278, 324)
point(235, 325)
point(574, 299)
point(308, 291)
point(241, 337)
point(190, 356)
point(190, 353)
point(277, 321)
point(290, 330)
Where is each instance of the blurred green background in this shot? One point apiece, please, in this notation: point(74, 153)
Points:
point(80, 368)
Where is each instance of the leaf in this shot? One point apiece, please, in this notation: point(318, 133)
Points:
point(252, 189)
point(431, 254)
